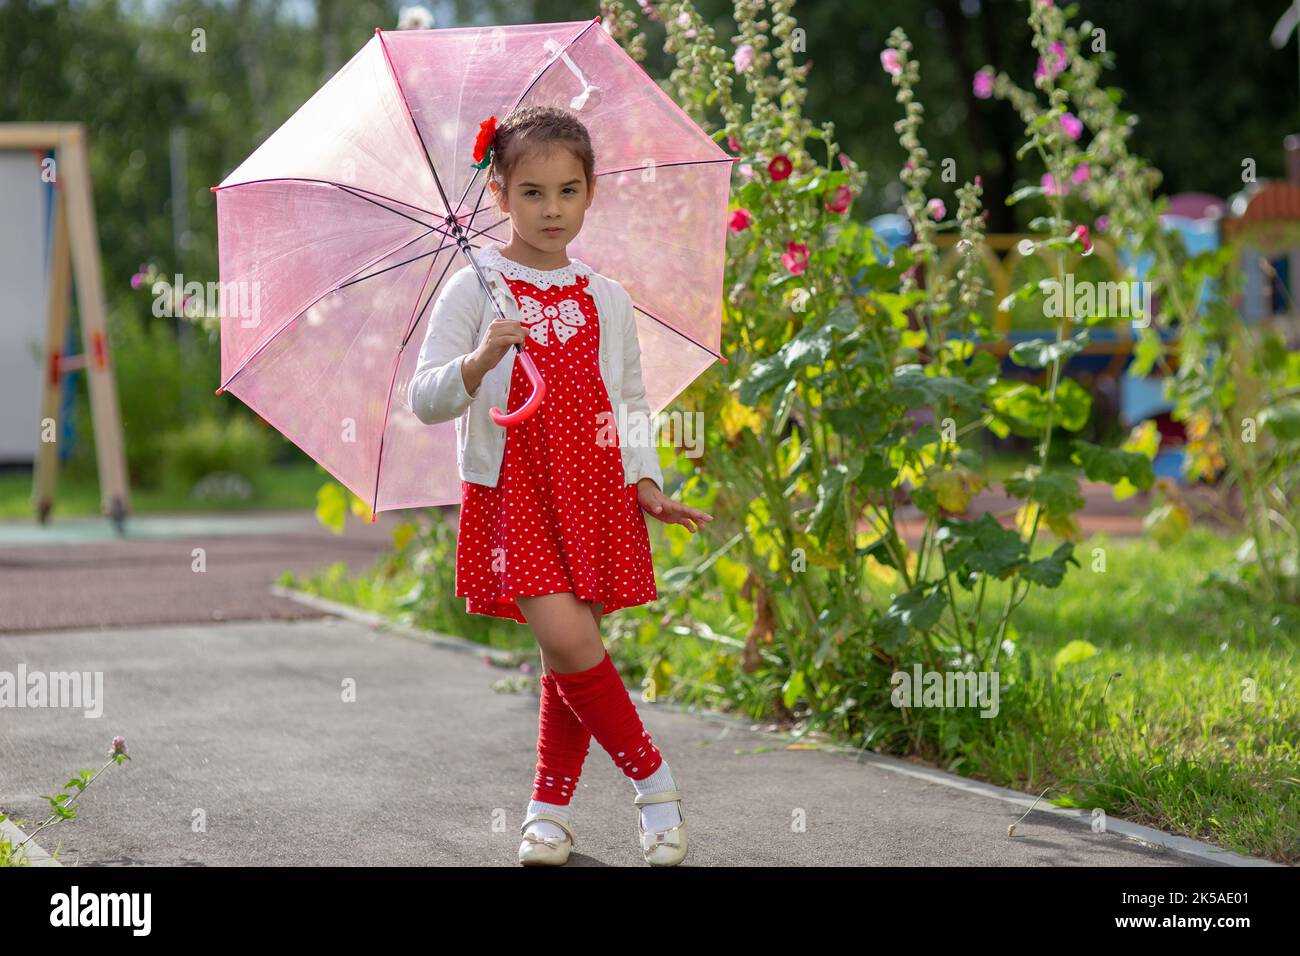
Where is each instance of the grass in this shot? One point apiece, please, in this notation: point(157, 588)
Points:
point(275, 487)
point(1158, 727)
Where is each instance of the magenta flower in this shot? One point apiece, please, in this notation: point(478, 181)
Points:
point(745, 170)
point(795, 258)
point(779, 168)
point(733, 144)
point(743, 58)
point(841, 200)
point(936, 209)
point(119, 744)
point(1048, 183)
point(979, 180)
point(740, 220)
point(1102, 223)
point(1081, 233)
point(136, 280)
point(983, 83)
point(1080, 174)
point(1058, 61)
point(844, 160)
point(889, 61)
point(1072, 125)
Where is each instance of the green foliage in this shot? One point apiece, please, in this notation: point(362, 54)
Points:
point(852, 392)
point(237, 446)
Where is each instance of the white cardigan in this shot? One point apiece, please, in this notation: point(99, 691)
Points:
point(458, 323)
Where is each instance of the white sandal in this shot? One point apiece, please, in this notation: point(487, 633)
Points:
point(662, 847)
point(537, 850)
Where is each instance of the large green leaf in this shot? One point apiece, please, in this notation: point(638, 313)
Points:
point(915, 610)
point(1040, 353)
point(1058, 492)
point(981, 546)
point(1073, 405)
point(1282, 419)
point(1050, 571)
point(913, 388)
point(830, 499)
point(1113, 464)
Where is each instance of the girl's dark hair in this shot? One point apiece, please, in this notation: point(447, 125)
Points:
point(533, 129)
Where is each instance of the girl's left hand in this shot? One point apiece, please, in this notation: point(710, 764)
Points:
point(667, 509)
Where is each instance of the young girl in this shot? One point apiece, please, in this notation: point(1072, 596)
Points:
point(552, 533)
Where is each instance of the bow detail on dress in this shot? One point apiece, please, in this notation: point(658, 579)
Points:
point(564, 317)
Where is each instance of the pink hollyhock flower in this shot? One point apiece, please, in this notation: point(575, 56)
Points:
point(844, 160)
point(779, 168)
point(1102, 223)
point(683, 19)
point(1048, 183)
point(979, 180)
point(1072, 125)
point(841, 200)
point(936, 209)
point(889, 61)
point(1081, 233)
point(740, 220)
point(1058, 61)
point(1080, 174)
point(733, 144)
point(136, 280)
point(983, 83)
point(743, 58)
point(795, 258)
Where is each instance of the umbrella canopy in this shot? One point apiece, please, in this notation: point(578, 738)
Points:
point(336, 235)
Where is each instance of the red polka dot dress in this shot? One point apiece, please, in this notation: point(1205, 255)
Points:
point(561, 517)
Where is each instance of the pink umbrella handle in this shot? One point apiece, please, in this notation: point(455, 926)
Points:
point(524, 411)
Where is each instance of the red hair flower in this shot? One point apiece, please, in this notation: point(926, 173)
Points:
point(487, 132)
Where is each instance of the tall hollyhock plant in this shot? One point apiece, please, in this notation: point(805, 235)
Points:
point(1234, 386)
point(851, 390)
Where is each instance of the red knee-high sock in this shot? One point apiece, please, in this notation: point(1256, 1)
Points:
point(604, 705)
point(562, 745)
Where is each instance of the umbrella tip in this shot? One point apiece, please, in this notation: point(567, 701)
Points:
point(217, 392)
point(376, 31)
point(724, 360)
point(212, 189)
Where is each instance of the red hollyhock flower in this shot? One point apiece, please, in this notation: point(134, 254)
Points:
point(795, 258)
point(740, 220)
point(487, 131)
point(840, 200)
point(779, 168)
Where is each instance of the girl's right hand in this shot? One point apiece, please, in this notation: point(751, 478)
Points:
point(502, 334)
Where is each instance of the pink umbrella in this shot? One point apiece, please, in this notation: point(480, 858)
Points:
point(335, 237)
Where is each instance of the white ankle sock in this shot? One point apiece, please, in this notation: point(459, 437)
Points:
point(545, 828)
point(658, 816)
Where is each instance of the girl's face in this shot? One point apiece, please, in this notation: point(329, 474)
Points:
point(547, 198)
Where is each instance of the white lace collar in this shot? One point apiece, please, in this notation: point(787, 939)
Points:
point(492, 257)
